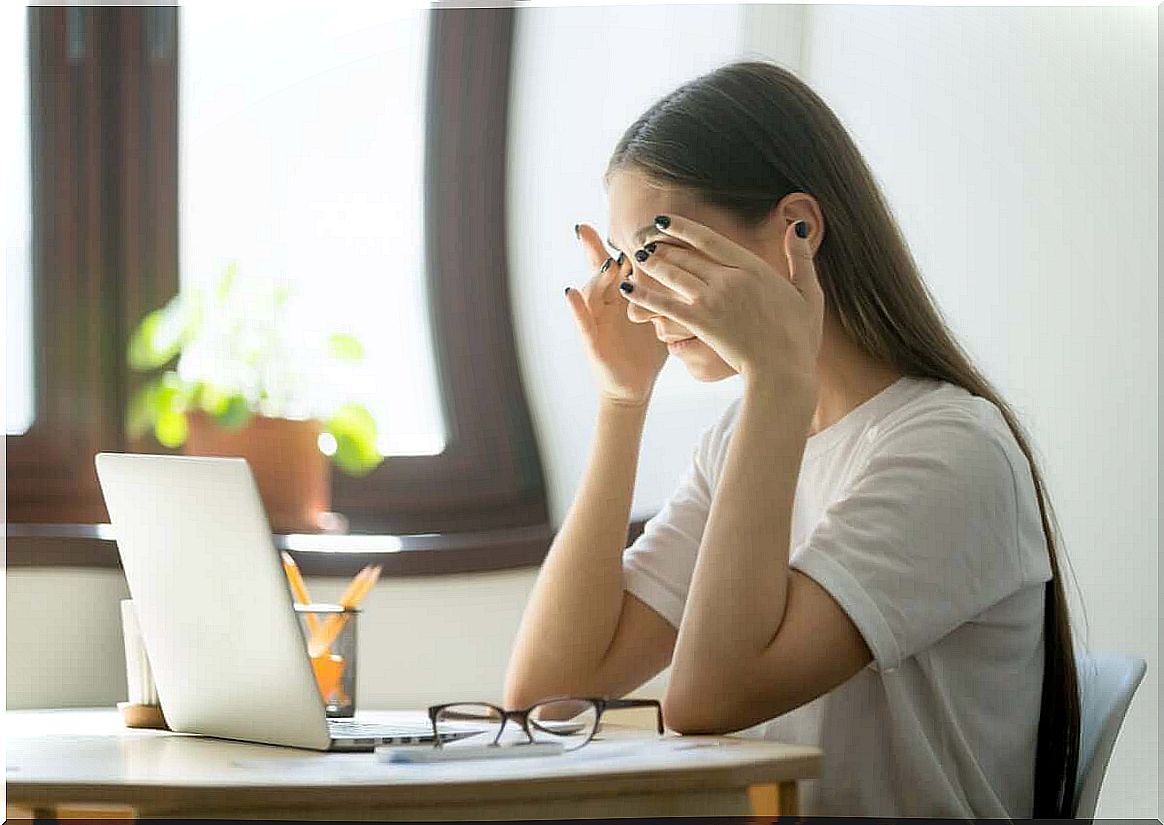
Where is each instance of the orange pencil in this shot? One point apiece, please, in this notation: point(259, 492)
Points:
point(354, 585)
point(299, 589)
point(315, 644)
point(361, 585)
point(345, 601)
point(364, 589)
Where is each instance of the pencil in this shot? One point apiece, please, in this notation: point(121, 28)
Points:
point(365, 588)
point(354, 586)
point(299, 589)
point(324, 634)
point(360, 586)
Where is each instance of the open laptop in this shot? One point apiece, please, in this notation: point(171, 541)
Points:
point(215, 610)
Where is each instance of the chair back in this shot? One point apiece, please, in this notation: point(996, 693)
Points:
point(1107, 682)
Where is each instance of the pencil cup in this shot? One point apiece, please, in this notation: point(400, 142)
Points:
point(330, 631)
point(143, 709)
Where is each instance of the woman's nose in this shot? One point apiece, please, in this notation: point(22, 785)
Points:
point(637, 314)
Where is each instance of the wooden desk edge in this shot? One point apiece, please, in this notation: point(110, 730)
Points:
point(151, 798)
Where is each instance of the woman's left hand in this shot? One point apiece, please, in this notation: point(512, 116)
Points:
point(764, 325)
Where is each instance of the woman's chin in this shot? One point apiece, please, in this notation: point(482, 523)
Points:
point(703, 364)
point(709, 376)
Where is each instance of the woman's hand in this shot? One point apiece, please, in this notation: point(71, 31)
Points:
point(762, 323)
point(626, 356)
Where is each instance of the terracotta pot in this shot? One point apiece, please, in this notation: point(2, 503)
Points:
point(293, 476)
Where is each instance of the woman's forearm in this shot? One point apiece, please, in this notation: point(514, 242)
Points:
point(574, 609)
point(740, 583)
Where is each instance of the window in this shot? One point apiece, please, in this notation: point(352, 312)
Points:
point(302, 158)
point(105, 199)
point(102, 243)
point(18, 411)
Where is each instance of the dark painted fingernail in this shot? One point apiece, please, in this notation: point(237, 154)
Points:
point(606, 265)
point(642, 255)
point(801, 229)
point(567, 290)
point(662, 221)
point(650, 247)
point(621, 258)
point(626, 287)
point(578, 231)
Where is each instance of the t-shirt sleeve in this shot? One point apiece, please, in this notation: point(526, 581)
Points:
point(658, 566)
point(924, 539)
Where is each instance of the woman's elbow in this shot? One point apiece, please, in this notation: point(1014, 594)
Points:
point(691, 712)
point(716, 706)
point(519, 694)
point(518, 690)
point(526, 687)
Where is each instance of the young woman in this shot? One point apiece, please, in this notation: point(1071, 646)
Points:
point(861, 554)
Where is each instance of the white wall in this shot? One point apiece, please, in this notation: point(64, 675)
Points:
point(1019, 148)
point(603, 67)
point(422, 640)
point(64, 645)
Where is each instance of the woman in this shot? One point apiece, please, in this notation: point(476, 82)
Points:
point(861, 554)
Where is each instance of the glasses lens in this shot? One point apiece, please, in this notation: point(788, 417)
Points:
point(569, 721)
point(459, 725)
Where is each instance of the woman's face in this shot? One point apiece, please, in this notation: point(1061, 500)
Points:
point(634, 203)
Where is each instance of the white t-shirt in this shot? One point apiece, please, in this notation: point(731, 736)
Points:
point(917, 512)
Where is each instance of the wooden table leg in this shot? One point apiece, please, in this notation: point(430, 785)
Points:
point(75, 814)
point(789, 799)
point(774, 800)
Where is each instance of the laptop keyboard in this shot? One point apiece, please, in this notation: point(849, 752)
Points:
point(397, 733)
point(350, 728)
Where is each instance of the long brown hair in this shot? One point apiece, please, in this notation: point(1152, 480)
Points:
point(742, 138)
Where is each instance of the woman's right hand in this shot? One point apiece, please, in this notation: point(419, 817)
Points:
point(626, 357)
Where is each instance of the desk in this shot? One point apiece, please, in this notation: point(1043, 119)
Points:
point(84, 756)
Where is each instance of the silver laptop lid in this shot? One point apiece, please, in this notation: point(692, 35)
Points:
point(215, 610)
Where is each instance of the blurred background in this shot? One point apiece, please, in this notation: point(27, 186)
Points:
point(360, 220)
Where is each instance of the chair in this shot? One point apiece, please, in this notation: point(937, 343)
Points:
point(1107, 682)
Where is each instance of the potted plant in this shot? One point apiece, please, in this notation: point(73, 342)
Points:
point(237, 372)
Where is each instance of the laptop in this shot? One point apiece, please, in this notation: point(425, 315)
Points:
point(227, 651)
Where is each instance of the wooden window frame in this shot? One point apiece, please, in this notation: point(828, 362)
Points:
point(489, 476)
point(103, 161)
point(104, 109)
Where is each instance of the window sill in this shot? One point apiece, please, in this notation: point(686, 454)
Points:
point(94, 546)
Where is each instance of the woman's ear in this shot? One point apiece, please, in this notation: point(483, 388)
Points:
point(793, 207)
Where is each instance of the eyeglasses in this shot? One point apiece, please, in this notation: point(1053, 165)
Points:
point(569, 721)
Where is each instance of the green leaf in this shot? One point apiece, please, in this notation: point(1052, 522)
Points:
point(355, 419)
point(236, 413)
point(194, 301)
point(354, 457)
point(345, 347)
point(161, 404)
point(226, 282)
point(210, 399)
point(281, 294)
point(142, 354)
point(173, 394)
point(158, 338)
point(354, 430)
point(143, 411)
point(171, 428)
